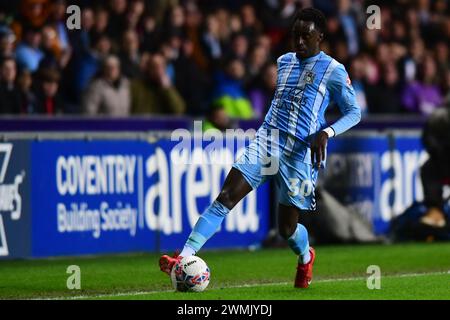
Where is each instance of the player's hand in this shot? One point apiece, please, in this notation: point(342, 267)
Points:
point(318, 147)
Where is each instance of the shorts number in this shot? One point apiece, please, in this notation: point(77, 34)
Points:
point(305, 189)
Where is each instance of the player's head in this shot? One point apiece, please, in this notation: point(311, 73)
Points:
point(307, 32)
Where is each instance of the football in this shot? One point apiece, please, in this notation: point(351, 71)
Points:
point(190, 274)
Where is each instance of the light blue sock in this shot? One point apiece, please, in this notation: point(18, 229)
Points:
point(208, 224)
point(299, 243)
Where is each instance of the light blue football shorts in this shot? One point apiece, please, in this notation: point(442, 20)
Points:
point(276, 154)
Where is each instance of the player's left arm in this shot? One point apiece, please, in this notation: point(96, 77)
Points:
point(342, 92)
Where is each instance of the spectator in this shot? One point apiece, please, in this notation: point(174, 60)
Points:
point(82, 38)
point(261, 93)
point(341, 52)
point(194, 33)
point(102, 21)
point(239, 46)
point(117, 21)
point(9, 93)
point(415, 55)
point(264, 41)
point(58, 22)
point(129, 55)
point(27, 96)
point(251, 27)
point(134, 14)
point(222, 15)
point(217, 118)
point(7, 40)
point(48, 101)
point(81, 41)
point(28, 53)
point(191, 82)
point(235, 24)
point(60, 38)
point(229, 92)
point(211, 39)
point(150, 34)
point(54, 54)
point(176, 20)
point(399, 33)
point(33, 14)
point(349, 26)
point(159, 8)
point(442, 58)
point(423, 96)
point(370, 39)
point(278, 18)
point(445, 87)
point(108, 94)
point(387, 97)
point(170, 49)
point(154, 93)
point(87, 64)
point(357, 74)
point(258, 58)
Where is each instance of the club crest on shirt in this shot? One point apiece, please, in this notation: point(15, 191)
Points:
point(309, 77)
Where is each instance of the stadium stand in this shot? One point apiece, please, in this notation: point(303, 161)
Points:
point(402, 68)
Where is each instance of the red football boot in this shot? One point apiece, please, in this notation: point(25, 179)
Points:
point(304, 271)
point(166, 262)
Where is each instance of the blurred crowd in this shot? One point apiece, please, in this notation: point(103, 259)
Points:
point(213, 59)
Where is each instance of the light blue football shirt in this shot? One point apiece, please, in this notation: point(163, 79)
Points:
point(304, 89)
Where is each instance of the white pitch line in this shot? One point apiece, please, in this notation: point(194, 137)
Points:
point(139, 293)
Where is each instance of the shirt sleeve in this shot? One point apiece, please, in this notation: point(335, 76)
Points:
point(342, 92)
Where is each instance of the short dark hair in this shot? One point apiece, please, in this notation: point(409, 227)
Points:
point(313, 15)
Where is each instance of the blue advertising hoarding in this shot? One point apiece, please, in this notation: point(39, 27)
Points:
point(378, 175)
point(353, 174)
point(119, 196)
point(72, 197)
point(87, 197)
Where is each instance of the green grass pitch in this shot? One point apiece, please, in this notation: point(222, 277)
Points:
point(408, 271)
